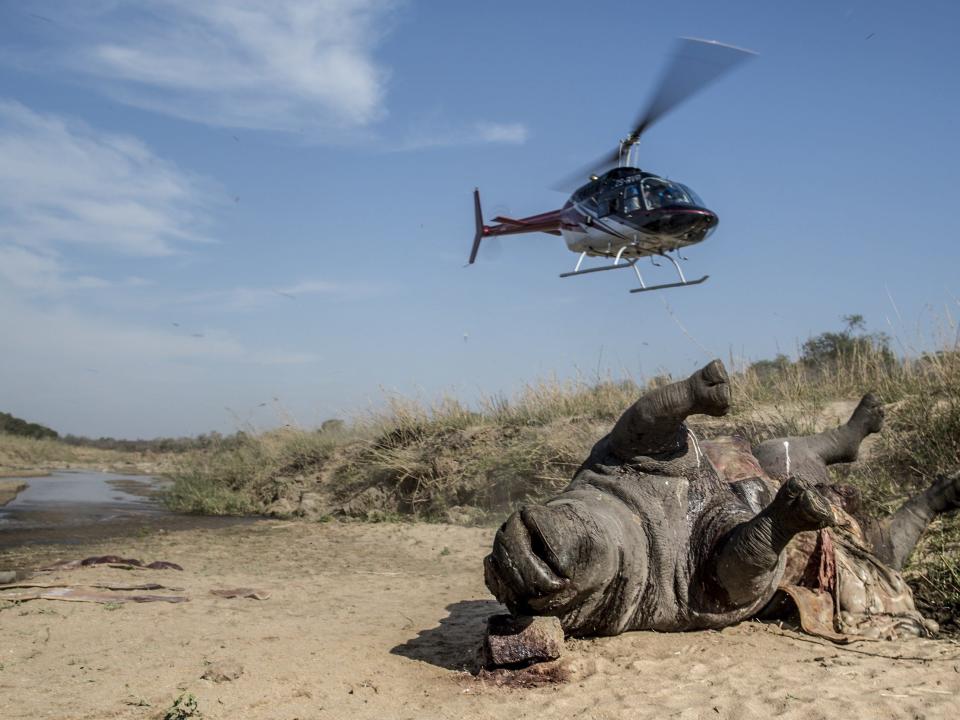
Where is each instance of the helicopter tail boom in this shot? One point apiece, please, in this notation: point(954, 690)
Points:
point(548, 222)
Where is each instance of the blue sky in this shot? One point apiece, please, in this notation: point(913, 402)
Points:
point(233, 213)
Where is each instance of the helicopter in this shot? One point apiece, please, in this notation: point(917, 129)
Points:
point(623, 212)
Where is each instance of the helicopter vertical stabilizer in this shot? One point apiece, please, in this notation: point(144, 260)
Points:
point(478, 216)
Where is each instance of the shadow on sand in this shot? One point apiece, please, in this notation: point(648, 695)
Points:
point(455, 642)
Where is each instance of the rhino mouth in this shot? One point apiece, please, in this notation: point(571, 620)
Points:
point(540, 546)
point(523, 571)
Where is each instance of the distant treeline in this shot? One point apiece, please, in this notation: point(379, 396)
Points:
point(15, 426)
point(173, 445)
point(828, 350)
point(12, 425)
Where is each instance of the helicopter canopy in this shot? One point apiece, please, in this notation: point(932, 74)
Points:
point(659, 193)
point(630, 190)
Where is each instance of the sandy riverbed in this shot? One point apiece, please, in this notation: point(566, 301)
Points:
point(380, 621)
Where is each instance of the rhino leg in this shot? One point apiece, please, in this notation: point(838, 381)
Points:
point(747, 562)
point(809, 455)
point(895, 537)
point(654, 423)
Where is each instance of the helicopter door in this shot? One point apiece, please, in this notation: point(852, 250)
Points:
point(609, 203)
point(632, 202)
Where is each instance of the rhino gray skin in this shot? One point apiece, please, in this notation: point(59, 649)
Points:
point(650, 536)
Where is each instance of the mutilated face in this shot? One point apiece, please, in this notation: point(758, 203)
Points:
point(562, 558)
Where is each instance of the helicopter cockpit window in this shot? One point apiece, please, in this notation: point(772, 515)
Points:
point(632, 202)
point(697, 200)
point(659, 193)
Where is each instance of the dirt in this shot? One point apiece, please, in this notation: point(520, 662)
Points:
point(384, 621)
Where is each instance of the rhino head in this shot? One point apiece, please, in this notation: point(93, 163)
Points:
point(562, 557)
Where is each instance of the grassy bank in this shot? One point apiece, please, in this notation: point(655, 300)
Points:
point(473, 465)
point(25, 456)
point(442, 462)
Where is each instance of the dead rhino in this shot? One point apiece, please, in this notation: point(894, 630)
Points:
point(661, 531)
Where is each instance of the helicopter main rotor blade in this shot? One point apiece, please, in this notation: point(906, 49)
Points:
point(575, 179)
point(694, 65)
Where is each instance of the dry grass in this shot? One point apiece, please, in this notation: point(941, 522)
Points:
point(22, 453)
point(245, 474)
point(30, 456)
point(442, 461)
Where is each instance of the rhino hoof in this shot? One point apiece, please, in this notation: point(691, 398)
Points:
point(944, 494)
point(712, 389)
point(801, 507)
point(868, 416)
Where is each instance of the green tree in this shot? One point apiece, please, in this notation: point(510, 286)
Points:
point(766, 369)
point(12, 425)
point(828, 348)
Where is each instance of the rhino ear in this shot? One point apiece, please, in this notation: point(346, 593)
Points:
point(754, 492)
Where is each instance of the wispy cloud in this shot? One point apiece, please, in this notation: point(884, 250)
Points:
point(510, 133)
point(478, 133)
point(39, 272)
point(309, 67)
point(264, 64)
point(96, 340)
point(248, 298)
point(64, 184)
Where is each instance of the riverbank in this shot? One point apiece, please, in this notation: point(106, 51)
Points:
point(22, 457)
point(384, 620)
point(9, 489)
point(22, 473)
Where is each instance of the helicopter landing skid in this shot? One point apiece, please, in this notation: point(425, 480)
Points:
point(627, 264)
point(670, 285)
point(633, 264)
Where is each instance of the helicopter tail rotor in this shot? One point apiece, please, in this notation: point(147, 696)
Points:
point(478, 216)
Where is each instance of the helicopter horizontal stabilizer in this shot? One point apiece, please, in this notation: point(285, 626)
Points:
point(545, 223)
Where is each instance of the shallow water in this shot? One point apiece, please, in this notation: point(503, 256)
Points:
point(76, 507)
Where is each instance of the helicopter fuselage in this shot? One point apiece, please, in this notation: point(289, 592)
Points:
point(631, 213)
point(626, 213)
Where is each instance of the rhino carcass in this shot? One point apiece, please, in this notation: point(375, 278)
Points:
point(661, 531)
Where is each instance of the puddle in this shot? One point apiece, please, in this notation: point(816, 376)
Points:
point(75, 507)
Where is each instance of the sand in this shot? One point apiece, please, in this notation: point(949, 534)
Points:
point(381, 621)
